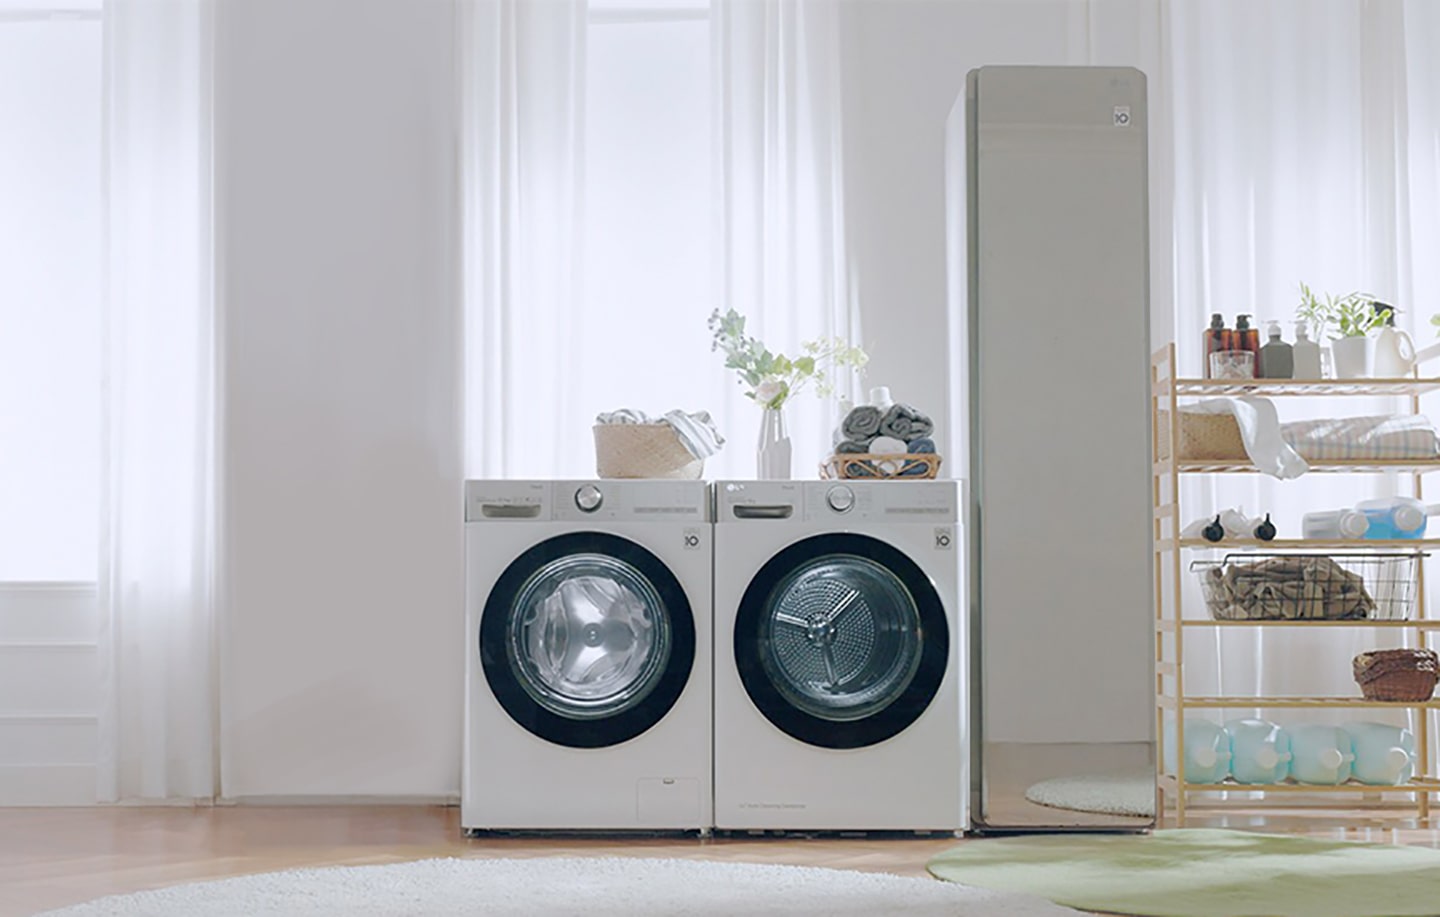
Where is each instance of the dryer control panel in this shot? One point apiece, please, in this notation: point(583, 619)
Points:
point(852, 501)
point(587, 501)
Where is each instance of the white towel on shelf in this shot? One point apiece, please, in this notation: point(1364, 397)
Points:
point(696, 431)
point(1260, 431)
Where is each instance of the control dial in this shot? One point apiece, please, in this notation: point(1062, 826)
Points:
point(840, 498)
point(589, 498)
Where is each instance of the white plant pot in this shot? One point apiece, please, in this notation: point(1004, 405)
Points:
point(1353, 357)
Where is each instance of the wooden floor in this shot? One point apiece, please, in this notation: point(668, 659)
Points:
point(54, 857)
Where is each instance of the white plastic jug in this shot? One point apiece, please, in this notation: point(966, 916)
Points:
point(1394, 354)
point(1320, 754)
point(1259, 751)
point(1207, 751)
point(1384, 754)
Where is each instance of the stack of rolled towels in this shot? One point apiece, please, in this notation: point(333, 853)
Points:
point(895, 430)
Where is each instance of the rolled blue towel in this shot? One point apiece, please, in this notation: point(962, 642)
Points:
point(923, 446)
point(852, 447)
point(918, 469)
point(855, 469)
point(862, 423)
point(905, 423)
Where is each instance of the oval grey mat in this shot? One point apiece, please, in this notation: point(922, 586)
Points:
point(1108, 794)
point(555, 886)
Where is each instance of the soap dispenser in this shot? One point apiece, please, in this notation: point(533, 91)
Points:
point(1277, 360)
point(1305, 353)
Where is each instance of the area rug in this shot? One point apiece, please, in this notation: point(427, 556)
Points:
point(555, 886)
point(1205, 873)
point(1108, 794)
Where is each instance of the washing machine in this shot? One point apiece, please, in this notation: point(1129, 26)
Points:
point(588, 657)
point(838, 666)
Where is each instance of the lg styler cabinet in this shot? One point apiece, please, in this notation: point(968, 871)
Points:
point(1055, 346)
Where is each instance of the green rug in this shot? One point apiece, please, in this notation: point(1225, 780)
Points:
point(1205, 873)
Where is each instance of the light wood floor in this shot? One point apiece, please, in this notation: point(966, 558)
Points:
point(54, 857)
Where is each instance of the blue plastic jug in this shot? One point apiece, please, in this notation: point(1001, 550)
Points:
point(1384, 754)
point(1320, 754)
point(1207, 751)
point(1259, 751)
point(1395, 517)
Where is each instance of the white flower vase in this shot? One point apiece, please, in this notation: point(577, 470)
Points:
point(772, 454)
point(1352, 357)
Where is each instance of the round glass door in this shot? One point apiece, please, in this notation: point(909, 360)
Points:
point(587, 639)
point(841, 641)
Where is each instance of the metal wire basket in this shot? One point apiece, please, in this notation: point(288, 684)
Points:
point(1319, 587)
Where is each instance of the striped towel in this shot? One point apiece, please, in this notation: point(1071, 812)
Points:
point(1404, 436)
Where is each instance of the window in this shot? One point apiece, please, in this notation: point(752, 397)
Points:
point(50, 290)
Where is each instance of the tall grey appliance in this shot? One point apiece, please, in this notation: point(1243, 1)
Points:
point(1056, 349)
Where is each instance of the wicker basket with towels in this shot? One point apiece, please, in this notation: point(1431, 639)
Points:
point(1397, 675)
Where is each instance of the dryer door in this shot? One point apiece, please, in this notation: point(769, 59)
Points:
point(841, 641)
point(587, 640)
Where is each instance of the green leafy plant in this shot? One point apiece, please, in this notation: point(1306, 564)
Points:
point(1350, 316)
point(773, 378)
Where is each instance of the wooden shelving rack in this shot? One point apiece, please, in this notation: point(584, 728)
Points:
point(1171, 625)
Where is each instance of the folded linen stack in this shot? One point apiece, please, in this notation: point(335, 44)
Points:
point(895, 430)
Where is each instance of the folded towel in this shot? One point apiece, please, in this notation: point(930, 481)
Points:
point(886, 445)
point(852, 447)
point(905, 423)
point(1259, 425)
point(696, 431)
point(862, 423)
point(923, 446)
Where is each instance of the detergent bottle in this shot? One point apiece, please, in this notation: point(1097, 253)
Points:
point(1384, 754)
point(1320, 754)
point(1259, 751)
point(1207, 751)
point(1392, 518)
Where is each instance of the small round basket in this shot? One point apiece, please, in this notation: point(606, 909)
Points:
point(643, 450)
point(915, 466)
point(1397, 675)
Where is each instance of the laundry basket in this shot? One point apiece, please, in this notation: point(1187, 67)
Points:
point(643, 450)
point(1397, 675)
point(1288, 587)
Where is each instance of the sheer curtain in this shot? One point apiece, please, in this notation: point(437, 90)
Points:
point(1306, 142)
point(597, 140)
point(158, 518)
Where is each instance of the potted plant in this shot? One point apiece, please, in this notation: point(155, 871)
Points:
point(1349, 319)
point(772, 378)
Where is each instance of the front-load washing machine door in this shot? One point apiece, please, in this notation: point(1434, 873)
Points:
point(841, 641)
point(587, 639)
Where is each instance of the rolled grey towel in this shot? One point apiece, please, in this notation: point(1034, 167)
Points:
point(923, 446)
point(862, 423)
point(905, 423)
point(852, 447)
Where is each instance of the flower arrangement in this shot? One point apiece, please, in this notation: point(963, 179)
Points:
point(773, 378)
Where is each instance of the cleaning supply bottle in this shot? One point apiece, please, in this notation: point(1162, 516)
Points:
point(1320, 754)
point(1207, 751)
point(1396, 517)
point(1277, 360)
point(1216, 339)
point(1305, 354)
point(1335, 525)
point(1259, 751)
point(1248, 339)
point(1384, 754)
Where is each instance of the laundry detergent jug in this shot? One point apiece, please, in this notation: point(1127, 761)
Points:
point(1384, 754)
point(1207, 751)
point(1320, 754)
point(1259, 751)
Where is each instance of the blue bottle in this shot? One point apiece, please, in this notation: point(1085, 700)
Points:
point(1259, 751)
point(1320, 754)
point(1207, 751)
point(1384, 754)
point(1395, 517)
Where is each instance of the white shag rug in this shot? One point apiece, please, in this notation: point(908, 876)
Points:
point(555, 886)
point(1107, 794)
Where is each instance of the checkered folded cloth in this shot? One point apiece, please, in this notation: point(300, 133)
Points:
point(1405, 436)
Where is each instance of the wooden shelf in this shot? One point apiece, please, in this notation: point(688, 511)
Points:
point(1412, 624)
point(1316, 544)
point(1212, 466)
point(1314, 703)
point(1215, 388)
point(1291, 787)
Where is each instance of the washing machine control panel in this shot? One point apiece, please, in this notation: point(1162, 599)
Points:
point(840, 498)
point(588, 498)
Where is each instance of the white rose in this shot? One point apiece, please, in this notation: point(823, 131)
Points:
point(768, 390)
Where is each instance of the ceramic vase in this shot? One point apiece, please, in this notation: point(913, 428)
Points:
point(772, 454)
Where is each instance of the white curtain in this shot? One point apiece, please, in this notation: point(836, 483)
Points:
point(158, 542)
point(594, 250)
point(1306, 140)
point(780, 255)
point(522, 97)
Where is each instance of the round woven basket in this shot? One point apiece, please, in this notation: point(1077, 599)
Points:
point(643, 450)
point(1397, 675)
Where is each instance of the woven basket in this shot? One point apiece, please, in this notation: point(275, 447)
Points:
point(859, 466)
point(1397, 675)
point(1215, 437)
point(643, 450)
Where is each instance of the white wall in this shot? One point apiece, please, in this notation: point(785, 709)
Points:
point(341, 663)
